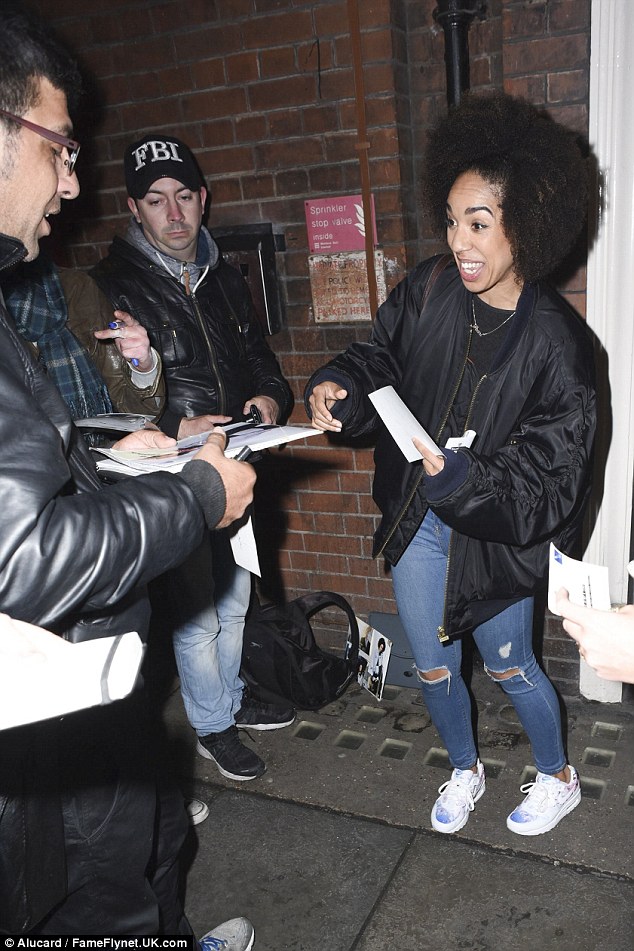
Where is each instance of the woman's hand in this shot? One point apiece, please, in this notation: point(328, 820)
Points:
point(321, 401)
point(432, 463)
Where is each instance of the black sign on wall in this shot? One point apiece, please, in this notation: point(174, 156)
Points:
point(251, 249)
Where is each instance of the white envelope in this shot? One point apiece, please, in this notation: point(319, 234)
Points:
point(586, 584)
point(401, 423)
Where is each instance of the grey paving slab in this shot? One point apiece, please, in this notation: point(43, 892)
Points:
point(385, 762)
point(308, 879)
point(332, 848)
point(447, 896)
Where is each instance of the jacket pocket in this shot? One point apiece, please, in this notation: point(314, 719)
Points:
point(175, 343)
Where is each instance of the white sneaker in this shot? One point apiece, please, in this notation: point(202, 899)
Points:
point(548, 800)
point(457, 799)
point(234, 935)
point(197, 811)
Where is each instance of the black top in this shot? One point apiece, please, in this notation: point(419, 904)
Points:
point(494, 325)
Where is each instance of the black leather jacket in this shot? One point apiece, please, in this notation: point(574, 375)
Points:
point(74, 558)
point(527, 479)
point(214, 354)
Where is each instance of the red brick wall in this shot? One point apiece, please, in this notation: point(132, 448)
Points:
point(263, 90)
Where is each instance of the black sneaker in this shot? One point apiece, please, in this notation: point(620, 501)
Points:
point(233, 759)
point(255, 715)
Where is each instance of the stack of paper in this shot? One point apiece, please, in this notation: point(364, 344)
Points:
point(239, 435)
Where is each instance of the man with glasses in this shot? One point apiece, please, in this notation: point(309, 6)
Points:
point(89, 834)
point(67, 159)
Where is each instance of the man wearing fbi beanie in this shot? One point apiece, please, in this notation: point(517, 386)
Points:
point(199, 315)
point(150, 159)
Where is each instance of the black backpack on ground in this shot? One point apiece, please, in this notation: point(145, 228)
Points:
point(281, 660)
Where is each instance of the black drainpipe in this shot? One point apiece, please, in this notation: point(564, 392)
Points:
point(455, 17)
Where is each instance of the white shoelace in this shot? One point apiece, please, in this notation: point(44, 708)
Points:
point(541, 795)
point(459, 790)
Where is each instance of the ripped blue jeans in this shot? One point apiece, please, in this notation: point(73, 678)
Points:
point(504, 643)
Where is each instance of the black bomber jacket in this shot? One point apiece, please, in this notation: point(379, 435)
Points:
point(214, 354)
point(526, 480)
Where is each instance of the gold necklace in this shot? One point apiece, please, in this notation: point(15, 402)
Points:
point(474, 325)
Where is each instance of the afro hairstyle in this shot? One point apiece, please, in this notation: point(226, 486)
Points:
point(534, 164)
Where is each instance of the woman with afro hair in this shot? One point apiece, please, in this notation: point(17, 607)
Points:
point(500, 372)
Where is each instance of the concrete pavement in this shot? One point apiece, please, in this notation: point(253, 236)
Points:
point(332, 848)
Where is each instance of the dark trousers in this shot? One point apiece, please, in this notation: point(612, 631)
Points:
point(124, 826)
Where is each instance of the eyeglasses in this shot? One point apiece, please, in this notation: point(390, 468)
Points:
point(69, 144)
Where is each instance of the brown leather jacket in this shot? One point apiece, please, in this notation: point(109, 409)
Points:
point(90, 310)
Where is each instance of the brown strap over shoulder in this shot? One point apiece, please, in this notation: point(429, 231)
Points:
point(437, 269)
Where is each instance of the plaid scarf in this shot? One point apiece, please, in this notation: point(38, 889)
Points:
point(35, 300)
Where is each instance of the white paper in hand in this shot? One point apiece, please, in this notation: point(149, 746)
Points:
point(244, 547)
point(402, 424)
point(586, 584)
point(68, 677)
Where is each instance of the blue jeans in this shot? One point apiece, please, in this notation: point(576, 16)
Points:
point(504, 643)
point(209, 598)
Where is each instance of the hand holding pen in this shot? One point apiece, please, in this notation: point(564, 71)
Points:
point(261, 409)
point(131, 340)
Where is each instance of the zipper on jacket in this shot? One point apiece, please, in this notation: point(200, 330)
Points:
point(402, 512)
point(441, 631)
point(17, 256)
point(455, 389)
point(166, 327)
point(411, 495)
point(222, 408)
point(191, 296)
